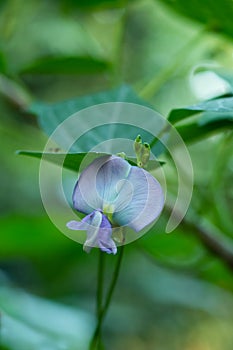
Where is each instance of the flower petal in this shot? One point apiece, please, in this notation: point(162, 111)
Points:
point(85, 196)
point(76, 225)
point(98, 185)
point(109, 177)
point(146, 200)
point(99, 234)
point(106, 243)
point(80, 225)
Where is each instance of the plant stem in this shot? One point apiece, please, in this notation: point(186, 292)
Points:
point(95, 342)
point(100, 283)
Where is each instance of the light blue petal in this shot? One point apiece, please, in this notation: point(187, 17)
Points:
point(109, 178)
point(106, 243)
point(93, 231)
point(99, 234)
point(140, 200)
point(80, 225)
point(76, 225)
point(99, 183)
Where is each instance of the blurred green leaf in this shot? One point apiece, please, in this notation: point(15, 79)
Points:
point(14, 92)
point(37, 323)
point(2, 63)
point(72, 161)
point(180, 249)
point(216, 15)
point(29, 236)
point(66, 65)
point(94, 4)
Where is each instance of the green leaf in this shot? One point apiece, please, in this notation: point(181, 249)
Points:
point(196, 130)
point(94, 4)
point(29, 236)
point(203, 119)
point(72, 161)
point(32, 321)
point(50, 116)
point(216, 15)
point(66, 65)
point(2, 63)
point(220, 106)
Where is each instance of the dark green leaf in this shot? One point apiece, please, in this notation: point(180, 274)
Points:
point(66, 65)
point(217, 15)
point(29, 236)
point(199, 129)
point(2, 63)
point(94, 4)
point(72, 161)
point(220, 106)
point(201, 120)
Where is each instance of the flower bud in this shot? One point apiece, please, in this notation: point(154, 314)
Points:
point(145, 154)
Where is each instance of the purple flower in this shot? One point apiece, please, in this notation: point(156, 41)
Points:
point(113, 193)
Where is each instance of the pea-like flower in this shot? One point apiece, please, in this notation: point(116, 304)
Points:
point(112, 193)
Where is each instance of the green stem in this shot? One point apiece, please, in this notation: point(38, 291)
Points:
point(160, 79)
point(100, 283)
point(96, 342)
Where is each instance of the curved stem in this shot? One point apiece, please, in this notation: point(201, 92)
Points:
point(95, 342)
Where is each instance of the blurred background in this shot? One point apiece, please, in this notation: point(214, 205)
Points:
point(175, 291)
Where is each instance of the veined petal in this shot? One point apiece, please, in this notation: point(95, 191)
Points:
point(85, 195)
point(109, 178)
point(145, 203)
point(99, 185)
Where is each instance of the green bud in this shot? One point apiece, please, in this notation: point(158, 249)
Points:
point(138, 145)
point(145, 155)
point(142, 151)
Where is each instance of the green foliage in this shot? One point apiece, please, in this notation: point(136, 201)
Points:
point(24, 316)
point(216, 16)
point(210, 117)
point(66, 65)
point(72, 161)
point(221, 107)
point(52, 115)
point(86, 53)
point(94, 4)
